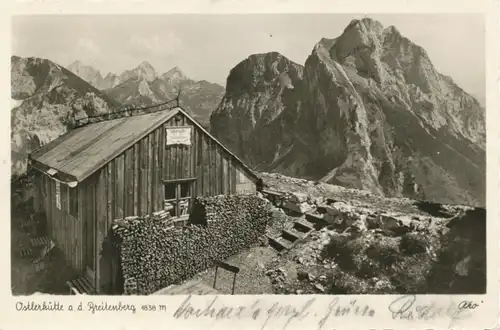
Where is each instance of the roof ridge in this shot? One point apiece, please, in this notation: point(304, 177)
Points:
point(89, 143)
point(128, 112)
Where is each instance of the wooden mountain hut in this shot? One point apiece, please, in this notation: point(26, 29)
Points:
point(129, 166)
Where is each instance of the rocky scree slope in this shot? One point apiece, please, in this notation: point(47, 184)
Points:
point(418, 247)
point(368, 110)
point(46, 98)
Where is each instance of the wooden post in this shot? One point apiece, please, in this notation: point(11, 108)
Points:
point(215, 277)
point(234, 283)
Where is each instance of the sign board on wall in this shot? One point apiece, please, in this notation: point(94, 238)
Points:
point(179, 135)
point(58, 195)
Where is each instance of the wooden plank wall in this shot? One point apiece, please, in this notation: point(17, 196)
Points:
point(214, 169)
point(244, 184)
point(131, 184)
point(63, 228)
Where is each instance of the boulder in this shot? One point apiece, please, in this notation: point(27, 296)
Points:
point(390, 223)
point(359, 225)
point(317, 200)
point(296, 197)
point(340, 213)
point(319, 287)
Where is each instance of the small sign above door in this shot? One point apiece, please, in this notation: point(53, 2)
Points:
point(179, 135)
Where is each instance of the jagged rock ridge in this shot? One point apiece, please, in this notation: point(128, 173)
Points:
point(368, 110)
point(143, 86)
point(93, 76)
point(46, 98)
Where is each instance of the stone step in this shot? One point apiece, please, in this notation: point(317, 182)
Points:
point(297, 208)
point(322, 208)
point(279, 243)
point(317, 219)
point(291, 235)
point(303, 226)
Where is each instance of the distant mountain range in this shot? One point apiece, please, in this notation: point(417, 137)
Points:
point(46, 98)
point(368, 110)
point(144, 86)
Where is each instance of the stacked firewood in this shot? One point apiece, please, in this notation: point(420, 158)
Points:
point(155, 255)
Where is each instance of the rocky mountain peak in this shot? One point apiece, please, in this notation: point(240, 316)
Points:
point(259, 71)
point(145, 71)
point(368, 111)
point(76, 63)
point(174, 73)
point(85, 71)
point(142, 86)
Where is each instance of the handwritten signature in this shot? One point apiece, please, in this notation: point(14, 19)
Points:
point(408, 308)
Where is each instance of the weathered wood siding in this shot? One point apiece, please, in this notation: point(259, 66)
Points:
point(65, 229)
point(132, 183)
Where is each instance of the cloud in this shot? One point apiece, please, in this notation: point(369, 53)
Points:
point(87, 47)
point(166, 44)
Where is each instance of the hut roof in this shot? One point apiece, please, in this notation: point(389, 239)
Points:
point(83, 150)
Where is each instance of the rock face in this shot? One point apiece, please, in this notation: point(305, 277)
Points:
point(367, 111)
point(46, 98)
point(258, 108)
point(87, 73)
point(143, 86)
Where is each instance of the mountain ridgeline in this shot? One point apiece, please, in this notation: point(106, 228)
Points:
point(45, 100)
point(143, 86)
point(368, 110)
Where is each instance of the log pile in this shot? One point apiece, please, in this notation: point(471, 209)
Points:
point(154, 255)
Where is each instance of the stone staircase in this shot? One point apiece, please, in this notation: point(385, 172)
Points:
point(309, 220)
point(301, 228)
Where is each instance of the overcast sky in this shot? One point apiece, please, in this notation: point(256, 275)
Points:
point(208, 46)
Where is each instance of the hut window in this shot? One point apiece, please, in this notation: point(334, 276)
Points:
point(170, 191)
point(178, 197)
point(185, 189)
point(73, 202)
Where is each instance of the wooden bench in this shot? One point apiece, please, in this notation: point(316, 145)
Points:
point(233, 269)
point(80, 285)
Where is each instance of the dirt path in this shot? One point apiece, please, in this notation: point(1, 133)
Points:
point(251, 279)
